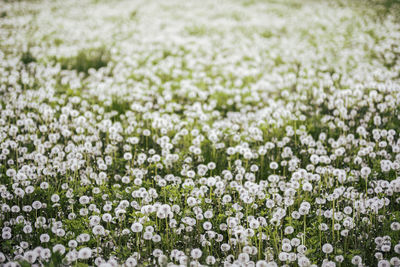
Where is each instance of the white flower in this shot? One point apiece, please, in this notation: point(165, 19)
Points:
point(131, 262)
point(243, 257)
point(356, 260)
point(2, 257)
point(30, 256)
point(85, 253)
point(327, 248)
point(6, 235)
point(44, 238)
point(59, 248)
point(136, 227)
point(196, 253)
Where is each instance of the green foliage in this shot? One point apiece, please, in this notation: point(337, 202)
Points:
point(134, 14)
point(86, 59)
point(196, 30)
point(24, 263)
point(55, 260)
point(119, 105)
point(58, 41)
point(27, 57)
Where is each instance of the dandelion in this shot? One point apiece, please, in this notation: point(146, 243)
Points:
point(356, 260)
point(3, 257)
point(6, 235)
point(384, 263)
point(30, 256)
point(395, 226)
point(36, 205)
point(59, 248)
point(395, 261)
point(365, 171)
point(44, 238)
point(45, 254)
point(131, 262)
point(289, 230)
point(225, 247)
point(327, 248)
point(196, 253)
point(273, 165)
point(136, 227)
point(84, 253)
point(286, 247)
point(243, 258)
point(207, 226)
point(283, 256)
point(210, 260)
point(156, 238)
point(98, 230)
point(84, 200)
point(261, 263)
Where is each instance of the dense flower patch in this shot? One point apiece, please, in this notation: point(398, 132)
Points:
point(200, 133)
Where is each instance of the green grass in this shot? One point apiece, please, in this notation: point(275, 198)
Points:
point(27, 57)
point(86, 59)
point(196, 30)
point(118, 105)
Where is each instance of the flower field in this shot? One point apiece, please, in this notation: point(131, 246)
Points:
point(200, 133)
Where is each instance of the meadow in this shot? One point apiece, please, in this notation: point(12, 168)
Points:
point(200, 133)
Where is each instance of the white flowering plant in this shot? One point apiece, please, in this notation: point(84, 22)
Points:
point(200, 133)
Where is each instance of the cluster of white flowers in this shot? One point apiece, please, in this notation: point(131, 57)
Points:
point(199, 133)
